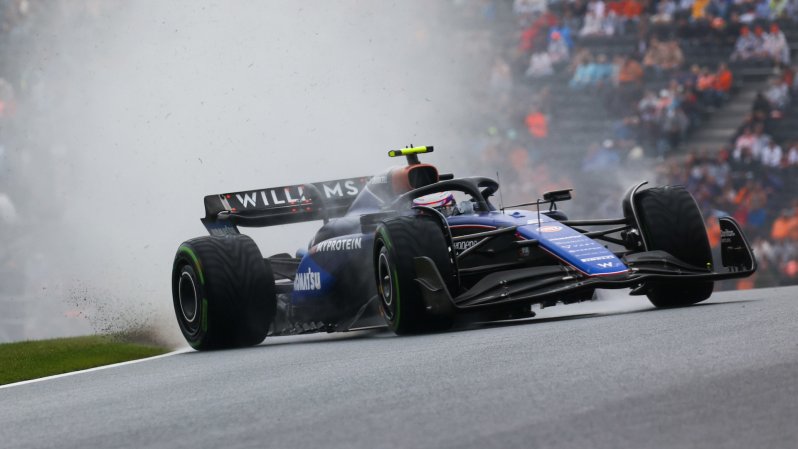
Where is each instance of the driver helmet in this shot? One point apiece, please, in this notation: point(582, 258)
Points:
point(443, 202)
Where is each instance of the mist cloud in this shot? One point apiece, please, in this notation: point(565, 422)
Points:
point(141, 108)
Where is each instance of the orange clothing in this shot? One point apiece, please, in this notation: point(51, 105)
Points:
point(789, 77)
point(784, 228)
point(780, 229)
point(537, 125)
point(616, 7)
point(632, 9)
point(713, 233)
point(699, 9)
point(630, 72)
point(705, 82)
point(724, 80)
point(742, 196)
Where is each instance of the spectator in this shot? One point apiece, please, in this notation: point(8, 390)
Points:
point(632, 9)
point(648, 109)
point(665, 11)
point(593, 25)
point(604, 70)
point(785, 226)
point(759, 35)
point(757, 207)
point(771, 154)
point(724, 80)
point(743, 160)
point(705, 85)
point(663, 56)
point(745, 140)
point(674, 58)
point(627, 76)
point(760, 140)
point(775, 45)
point(558, 49)
point(778, 95)
point(792, 155)
point(747, 46)
point(597, 7)
point(540, 65)
point(761, 105)
point(537, 124)
point(630, 72)
point(688, 79)
point(591, 73)
point(563, 30)
point(673, 123)
point(698, 10)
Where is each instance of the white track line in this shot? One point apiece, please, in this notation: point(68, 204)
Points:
point(98, 368)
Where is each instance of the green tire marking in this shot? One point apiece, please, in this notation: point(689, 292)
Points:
point(398, 309)
point(387, 239)
point(388, 245)
point(190, 252)
point(204, 322)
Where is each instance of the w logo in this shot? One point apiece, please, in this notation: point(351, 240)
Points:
point(605, 264)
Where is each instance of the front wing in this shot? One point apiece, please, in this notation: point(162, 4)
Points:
point(511, 288)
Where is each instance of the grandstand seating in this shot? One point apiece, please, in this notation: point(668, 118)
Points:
point(581, 118)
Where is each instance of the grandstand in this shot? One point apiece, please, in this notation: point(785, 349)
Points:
point(680, 117)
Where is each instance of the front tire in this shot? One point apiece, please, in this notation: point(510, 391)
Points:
point(223, 292)
point(671, 222)
point(399, 240)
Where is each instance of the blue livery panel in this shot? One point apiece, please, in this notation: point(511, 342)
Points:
point(562, 242)
point(337, 260)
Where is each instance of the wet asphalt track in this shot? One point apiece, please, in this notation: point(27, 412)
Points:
point(614, 374)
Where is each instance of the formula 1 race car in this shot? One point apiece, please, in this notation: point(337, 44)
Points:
point(416, 249)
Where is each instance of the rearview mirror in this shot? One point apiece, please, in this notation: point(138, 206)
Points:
point(558, 195)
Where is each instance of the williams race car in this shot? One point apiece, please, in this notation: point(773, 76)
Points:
point(416, 249)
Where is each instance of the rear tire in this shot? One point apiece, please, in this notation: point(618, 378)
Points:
point(398, 241)
point(223, 292)
point(671, 222)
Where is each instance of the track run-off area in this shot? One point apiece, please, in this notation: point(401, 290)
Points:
point(614, 373)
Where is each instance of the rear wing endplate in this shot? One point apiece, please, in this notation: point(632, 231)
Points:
point(280, 205)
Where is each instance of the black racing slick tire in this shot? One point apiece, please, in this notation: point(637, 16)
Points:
point(670, 221)
point(223, 292)
point(398, 241)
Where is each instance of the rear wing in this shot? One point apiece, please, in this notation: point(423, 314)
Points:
point(280, 205)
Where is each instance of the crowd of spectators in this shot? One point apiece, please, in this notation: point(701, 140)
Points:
point(686, 93)
point(762, 45)
point(653, 95)
point(665, 115)
point(758, 190)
